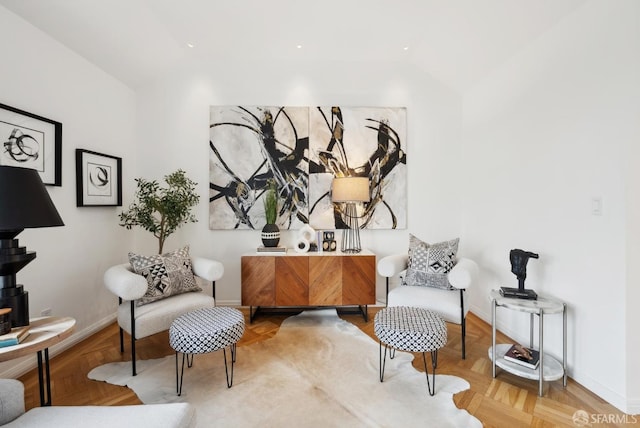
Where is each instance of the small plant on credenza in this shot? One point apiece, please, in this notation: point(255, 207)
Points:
point(271, 232)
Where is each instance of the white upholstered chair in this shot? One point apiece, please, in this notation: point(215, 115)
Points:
point(452, 304)
point(152, 318)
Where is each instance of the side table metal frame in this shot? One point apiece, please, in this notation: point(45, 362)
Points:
point(533, 307)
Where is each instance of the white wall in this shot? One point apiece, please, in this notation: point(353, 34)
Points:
point(97, 113)
point(632, 194)
point(552, 128)
point(174, 117)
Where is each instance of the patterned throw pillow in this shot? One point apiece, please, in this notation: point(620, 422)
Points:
point(167, 274)
point(430, 264)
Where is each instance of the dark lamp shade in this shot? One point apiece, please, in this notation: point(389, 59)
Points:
point(24, 201)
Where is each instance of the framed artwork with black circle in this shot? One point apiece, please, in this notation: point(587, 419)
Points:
point(98, 179)
point(33, 142)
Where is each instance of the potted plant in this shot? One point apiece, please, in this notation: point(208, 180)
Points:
point(271, 232)
point(162, 210)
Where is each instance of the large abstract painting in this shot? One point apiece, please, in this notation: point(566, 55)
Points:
point(302, 149)
point(358, 142)
point(248, 147)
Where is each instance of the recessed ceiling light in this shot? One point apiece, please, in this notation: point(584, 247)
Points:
point(406, 48)
point(191, 45)
point(299, 46)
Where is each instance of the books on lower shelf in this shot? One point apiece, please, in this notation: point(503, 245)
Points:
point(272, 249)
point(14, 337)
point(526, 357)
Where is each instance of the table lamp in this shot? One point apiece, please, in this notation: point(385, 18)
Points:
point(350, 191)
point(24, 203)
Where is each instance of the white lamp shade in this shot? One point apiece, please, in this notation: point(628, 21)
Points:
point(350, 189)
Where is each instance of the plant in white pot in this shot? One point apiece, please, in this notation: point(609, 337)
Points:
point(162, 210)
point(271, 232)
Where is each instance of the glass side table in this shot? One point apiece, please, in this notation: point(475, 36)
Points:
point(549, 368)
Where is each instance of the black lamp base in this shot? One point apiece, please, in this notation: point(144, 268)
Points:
point(18, 300)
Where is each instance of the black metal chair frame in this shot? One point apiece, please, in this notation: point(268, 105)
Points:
point(463, 318)
point(133, 329)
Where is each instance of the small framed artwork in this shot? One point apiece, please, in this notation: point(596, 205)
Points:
point(31, 141)
point(98, 179)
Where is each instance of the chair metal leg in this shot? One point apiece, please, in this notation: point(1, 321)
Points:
point(386, 303)
point(464, 336)
point(133, 339)
point(121, 331)
point(133, 356)
point(463, 323)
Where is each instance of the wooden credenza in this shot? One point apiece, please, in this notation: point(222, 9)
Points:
point(309, 279)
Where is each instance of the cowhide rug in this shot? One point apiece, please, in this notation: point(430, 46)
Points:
point(317, 371)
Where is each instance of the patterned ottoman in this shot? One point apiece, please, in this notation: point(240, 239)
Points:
point(410, 329)
point(206, 330)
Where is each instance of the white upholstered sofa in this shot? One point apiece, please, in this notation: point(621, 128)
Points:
point(152, 318)
point(452, 305)
point(178, 415)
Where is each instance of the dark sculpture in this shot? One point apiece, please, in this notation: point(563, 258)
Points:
point(519, 259)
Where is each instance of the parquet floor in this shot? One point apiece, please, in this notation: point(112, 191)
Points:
point(507, 401)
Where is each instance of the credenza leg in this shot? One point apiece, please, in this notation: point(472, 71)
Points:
point(252, 313)
point(365, 312)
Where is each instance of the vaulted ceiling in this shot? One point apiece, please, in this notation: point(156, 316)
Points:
point(456, 41)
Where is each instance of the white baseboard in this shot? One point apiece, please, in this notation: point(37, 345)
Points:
point(25, 364)
point(230, 303)
point(610, 396)
point(630, 407)
point(633, 407)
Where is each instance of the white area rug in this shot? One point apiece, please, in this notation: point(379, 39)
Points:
point(318, 371)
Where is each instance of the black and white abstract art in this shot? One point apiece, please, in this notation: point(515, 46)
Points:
point(248, 147)
point(302, 149)
point(98, 179)
point(358, 142)
point(31, 141)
